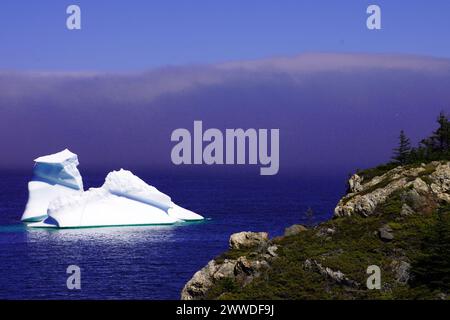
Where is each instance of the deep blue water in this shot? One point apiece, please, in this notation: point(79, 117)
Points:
point(150, 262)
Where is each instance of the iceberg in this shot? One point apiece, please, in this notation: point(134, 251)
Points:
point(123, 199)
point(54, 176)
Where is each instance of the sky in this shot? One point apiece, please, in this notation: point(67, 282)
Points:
point(124, 35)
point(114, 91)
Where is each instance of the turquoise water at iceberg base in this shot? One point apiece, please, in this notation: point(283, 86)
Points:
point(150, 262)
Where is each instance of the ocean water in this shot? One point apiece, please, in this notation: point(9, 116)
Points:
point(150, 262)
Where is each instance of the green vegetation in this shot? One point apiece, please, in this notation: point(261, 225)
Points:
point(415, 261)
point(403, 151)
point(421, 240)
point(434, 148)
point(232, 254)
point(437, 146)
point(377, 171)
point(432, 269)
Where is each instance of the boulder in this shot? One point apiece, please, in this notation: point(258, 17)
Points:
point(243, 267)
point(385, 233)
point(406, 210)
point(335, 275)
point(441, 296)
point(440, 184)
point(247, 240)
point(246, 270)
point(354, 183)
point(225, 269)
point(401, 271)
point(272, 251)
point(294, 229)
point(413, 198)
point(420, 185)
point(200, 283)
point(326, 232)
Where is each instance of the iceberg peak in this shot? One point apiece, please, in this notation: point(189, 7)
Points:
point(124, 183)
point(59, 157)
point(54, 175)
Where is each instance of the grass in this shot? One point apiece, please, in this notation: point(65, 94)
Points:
point(369, 174)
point(232, 254)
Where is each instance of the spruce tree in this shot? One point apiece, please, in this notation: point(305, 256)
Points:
point(437, 146)
point(443, 133)
point(403, 151)
point(433, 268)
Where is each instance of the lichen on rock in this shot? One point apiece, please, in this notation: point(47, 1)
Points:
point(365, 198)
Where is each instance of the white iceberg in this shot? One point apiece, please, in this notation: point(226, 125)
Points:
point(124, 199)
point(54, 176)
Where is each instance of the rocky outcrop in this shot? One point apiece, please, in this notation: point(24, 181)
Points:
point(246, 270)
point(245, 240)
point(326, 232)
point(337, 253)
point(401, 271)
point(354, 183)
point(272, 250)
point(241, 270)
point(406, 210)
point(385, 233)
point(334, 275)
point(202, 280)
point(440, 182)
point(294, 229)
point(364, 196)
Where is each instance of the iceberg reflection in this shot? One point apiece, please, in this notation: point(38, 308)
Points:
point(106, 235)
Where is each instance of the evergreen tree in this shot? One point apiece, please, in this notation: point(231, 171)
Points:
point(437, 146)
point(403, 151)
point(433, 268)
point(443, 133)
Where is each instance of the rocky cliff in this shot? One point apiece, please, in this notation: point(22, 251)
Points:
point(365, 196)
point(397, 220)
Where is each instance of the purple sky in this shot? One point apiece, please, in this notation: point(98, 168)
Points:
point(335, 112)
